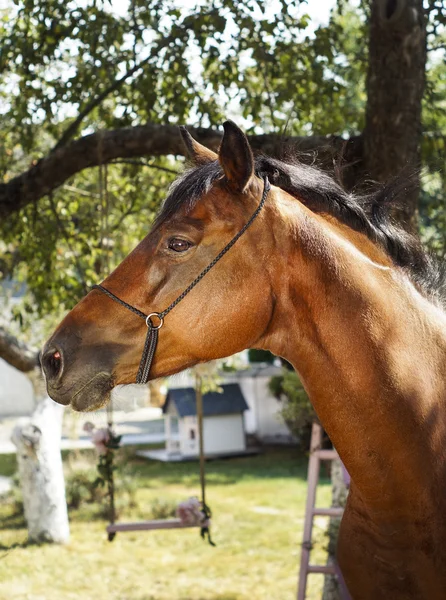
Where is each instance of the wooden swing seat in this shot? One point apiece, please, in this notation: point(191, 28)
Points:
point(149, 525)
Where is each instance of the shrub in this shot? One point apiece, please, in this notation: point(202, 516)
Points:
point(13, 496)
point(81, 488)
point(260, 356)
point(84, 487)
point(162, 509)
point(298, 412)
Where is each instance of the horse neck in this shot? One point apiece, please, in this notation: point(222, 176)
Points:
point(371, 352)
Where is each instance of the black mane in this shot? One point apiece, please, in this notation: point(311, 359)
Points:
point(368, 214)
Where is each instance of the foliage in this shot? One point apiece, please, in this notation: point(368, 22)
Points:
point(433, 194)
point(81, 487)
point(433, 213)
point(62, 60)
point(260, 356)
point(13, 496)
point(67, 69)
point(298, 412)
point(207, 376)
point(192, 61)
point(61, 251)
point(106, 466)
point(162, 509)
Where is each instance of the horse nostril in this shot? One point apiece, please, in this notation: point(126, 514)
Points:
point(52, 363)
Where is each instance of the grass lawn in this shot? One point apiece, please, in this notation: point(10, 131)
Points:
point(258, 505)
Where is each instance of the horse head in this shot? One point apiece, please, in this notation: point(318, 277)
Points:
point(98, 345)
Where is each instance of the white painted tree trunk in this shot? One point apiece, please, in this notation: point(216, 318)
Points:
point(41, 473)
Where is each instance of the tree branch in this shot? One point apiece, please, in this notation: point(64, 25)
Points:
point(148, 140)
point(143, 163)
point(436, 47)
point(16, 353)
point(61, 227)
point(71, 129)
point(177, 31)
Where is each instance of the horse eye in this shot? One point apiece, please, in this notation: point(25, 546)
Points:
point(179, 245)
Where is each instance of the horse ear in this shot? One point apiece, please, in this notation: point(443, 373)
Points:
point(236, 157)
point(199, 154)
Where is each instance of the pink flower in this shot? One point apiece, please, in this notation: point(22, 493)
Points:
point(100, 438)
point(189, 512)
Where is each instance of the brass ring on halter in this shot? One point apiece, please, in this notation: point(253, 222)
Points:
point(149, 322)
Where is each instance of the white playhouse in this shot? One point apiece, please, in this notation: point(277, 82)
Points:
point(223, 427)
point(263, 419)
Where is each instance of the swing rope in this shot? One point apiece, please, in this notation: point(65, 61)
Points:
point(106, 213)
point(105, 248)
point(205, 530)
point(111, 479)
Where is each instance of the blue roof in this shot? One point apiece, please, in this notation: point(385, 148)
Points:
point(230, 401)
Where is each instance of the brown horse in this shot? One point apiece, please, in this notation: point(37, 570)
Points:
point(321, 279)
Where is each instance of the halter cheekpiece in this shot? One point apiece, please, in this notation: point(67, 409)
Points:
point(155, 320)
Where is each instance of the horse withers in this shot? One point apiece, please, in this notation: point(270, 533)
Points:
point(323, 279)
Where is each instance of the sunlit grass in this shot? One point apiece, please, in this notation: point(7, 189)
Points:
point(258, 505)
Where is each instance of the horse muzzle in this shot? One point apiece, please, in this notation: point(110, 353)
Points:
point(80, 379)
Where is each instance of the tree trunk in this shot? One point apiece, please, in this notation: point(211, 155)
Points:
point(41, 473)
point(395, 85)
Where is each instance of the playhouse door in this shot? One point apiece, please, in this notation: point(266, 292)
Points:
point(191, 435)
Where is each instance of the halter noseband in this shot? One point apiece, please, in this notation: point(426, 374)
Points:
point(153, 328)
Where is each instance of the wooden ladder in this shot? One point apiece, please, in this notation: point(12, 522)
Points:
point(316, 455)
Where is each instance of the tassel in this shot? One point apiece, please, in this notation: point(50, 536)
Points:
point(205, 530)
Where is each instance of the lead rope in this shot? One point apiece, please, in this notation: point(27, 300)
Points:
point(152, 333)
point(147, 355)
